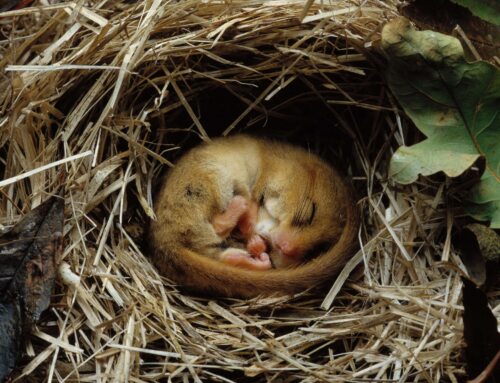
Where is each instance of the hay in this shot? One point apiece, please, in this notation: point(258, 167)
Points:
point(136, 83)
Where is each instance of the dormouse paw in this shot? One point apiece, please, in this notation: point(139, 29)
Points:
point(246, 225)
point(243, 259)
point(225, 222)
point(256, 245)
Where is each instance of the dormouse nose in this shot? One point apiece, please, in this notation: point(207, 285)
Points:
point(286, 247)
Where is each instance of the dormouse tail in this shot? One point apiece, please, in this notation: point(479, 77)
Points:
point(207, 275)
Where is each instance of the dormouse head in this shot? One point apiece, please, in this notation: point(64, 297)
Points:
point(301, 211)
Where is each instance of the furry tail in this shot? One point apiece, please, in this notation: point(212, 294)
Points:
point(206, 275)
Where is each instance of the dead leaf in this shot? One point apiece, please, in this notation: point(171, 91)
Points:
point(480, 252)
point(14, 4)
point(480, 331)
point(488, 240)
point(10, 338)
point(28, 255)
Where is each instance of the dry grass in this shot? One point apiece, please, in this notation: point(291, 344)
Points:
point(117, 89)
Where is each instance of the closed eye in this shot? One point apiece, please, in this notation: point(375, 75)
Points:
point(305, 214)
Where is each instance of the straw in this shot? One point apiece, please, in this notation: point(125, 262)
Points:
point(135, 84)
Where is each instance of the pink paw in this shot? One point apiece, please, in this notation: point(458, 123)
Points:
point(241, 258)
point(256, 245)
point(248, 219)
point(237, 206)
point(225, 222)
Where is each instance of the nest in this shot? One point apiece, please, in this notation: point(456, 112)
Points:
point(112, 92)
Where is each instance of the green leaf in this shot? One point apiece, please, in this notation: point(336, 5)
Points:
point(488, 10)
point(456, 104)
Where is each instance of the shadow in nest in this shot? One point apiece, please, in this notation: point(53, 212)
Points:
point(306, 113)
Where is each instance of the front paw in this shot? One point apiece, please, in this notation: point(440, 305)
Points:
point(256, 245)
point(226, 222)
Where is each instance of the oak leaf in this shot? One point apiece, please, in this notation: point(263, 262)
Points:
point(455, 103)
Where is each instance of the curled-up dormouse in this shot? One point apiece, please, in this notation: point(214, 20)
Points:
point(242, 216)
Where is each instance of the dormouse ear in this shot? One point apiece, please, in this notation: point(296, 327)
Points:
point(270, 200)
point(305, 213)
point(267, 192)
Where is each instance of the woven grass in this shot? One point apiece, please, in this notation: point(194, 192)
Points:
point(111, 92)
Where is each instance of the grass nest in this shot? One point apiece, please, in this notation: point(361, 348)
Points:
point(112, 92)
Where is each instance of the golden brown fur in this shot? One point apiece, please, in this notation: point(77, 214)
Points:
point(312, 203)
